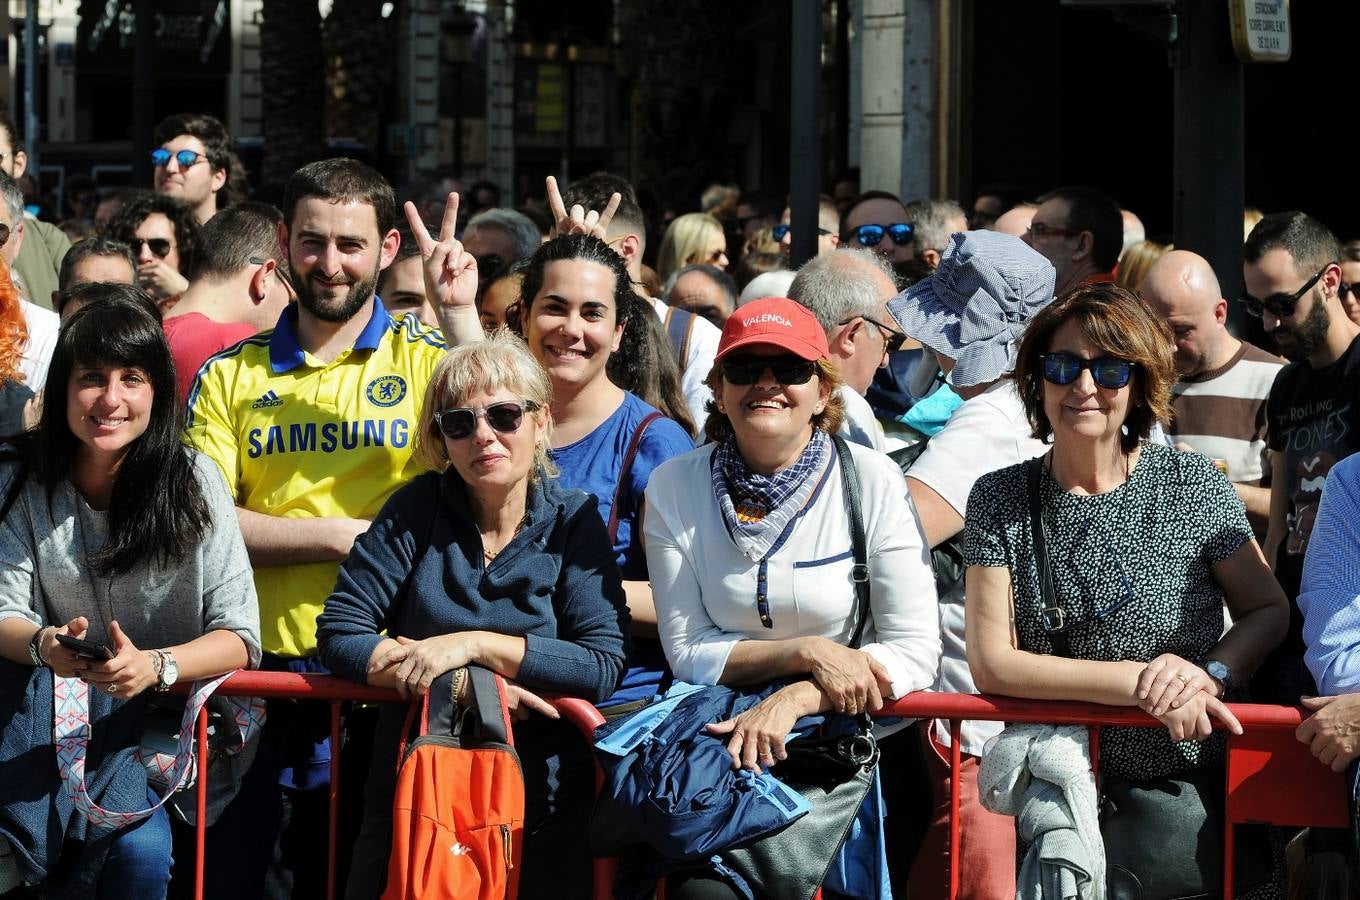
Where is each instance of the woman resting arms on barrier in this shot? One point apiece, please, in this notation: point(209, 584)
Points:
point(748, 545)
point(120, 535)
point(1144, 544)
point(486, 560)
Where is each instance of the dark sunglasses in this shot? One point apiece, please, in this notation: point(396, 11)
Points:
point(1109, 372)
point(1281, 305)
point(870, 235)
point(159, 246)
point(4, 234)
point(782, 229)
point(504, 417)
point(892, 338)
point(160, 157)
point(785, 369)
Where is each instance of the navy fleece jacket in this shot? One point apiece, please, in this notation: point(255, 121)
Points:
point(418, 572)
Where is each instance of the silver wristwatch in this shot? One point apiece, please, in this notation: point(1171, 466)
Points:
point(1220, 672)
point(168, 672)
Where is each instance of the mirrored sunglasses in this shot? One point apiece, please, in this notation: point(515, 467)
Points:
point(901, 234)
point(1108, 372)
point(161, 157)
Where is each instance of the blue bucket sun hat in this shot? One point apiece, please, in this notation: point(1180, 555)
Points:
point(975, 306)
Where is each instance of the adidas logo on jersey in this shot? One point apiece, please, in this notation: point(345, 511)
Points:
point(267, 400)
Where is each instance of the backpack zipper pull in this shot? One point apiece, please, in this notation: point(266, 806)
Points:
point(505, 842)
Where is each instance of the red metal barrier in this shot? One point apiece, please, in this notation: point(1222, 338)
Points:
point(1269, 778)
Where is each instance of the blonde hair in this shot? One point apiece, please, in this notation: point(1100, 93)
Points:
point(501, 362)
point(1135, 262)
point(685, 241)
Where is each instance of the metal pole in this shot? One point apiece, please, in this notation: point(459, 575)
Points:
point(31, 134)
point(143, 91)
point(804, 146)
point(1209, 162)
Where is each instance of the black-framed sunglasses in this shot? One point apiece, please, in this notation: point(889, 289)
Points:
point(892, 338)
point(504, 417)
point(785, 369)
point(901, 234)
point(4, 234)
point(160, 157)
point(158, 246)
point(1109, 372)
point(1281, 305)
point(783, 228)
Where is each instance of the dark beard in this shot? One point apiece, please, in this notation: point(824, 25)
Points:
point(1298, 342)
point(360, 292)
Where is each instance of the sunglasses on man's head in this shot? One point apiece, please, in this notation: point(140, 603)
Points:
point(158, 246)
point(783, 229)
point(901, 234)
point(160, 157)
point(504, 417)
point(1108, 372)
point(1280, 305)
point(744, 370)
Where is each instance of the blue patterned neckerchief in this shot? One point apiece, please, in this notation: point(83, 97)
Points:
point(756, 508)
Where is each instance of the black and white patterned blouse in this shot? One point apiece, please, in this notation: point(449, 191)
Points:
point(1132, 568)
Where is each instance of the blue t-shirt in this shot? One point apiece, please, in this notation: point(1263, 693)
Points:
point(592, 464)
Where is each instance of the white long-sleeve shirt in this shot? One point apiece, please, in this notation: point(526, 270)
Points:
point(1330, 595)
point(705, 590)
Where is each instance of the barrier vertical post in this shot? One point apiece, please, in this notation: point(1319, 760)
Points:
point(201, 801)
point(955, 763)
point(334, 824)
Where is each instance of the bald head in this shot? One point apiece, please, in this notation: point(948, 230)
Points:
point(1015, 221)
point(1183, 289)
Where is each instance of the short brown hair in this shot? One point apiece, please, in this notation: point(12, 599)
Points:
point(718, 427)
point(1120, 324)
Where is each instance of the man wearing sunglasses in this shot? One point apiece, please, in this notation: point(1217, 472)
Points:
point(192, 161)
point(828, 228)
point(877, 220)
point(1292, 282)
point(1081, 231)
point(848, 291)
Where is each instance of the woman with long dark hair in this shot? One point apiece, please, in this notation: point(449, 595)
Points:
point(117, 534)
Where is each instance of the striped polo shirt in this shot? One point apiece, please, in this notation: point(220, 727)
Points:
point(1222, 412)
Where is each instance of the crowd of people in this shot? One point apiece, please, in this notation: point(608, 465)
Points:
point(343, 436)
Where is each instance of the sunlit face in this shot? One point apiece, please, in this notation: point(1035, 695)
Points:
point(714, 252)
point(496, 300)
point(1299, 335)
point(871, 341)
point(108, 408)
point(879, 211)
point(1083, 410)
point(1197, 326)
point(489, 458)
point(572, 324)
point(767, 411)
point(192, 184)
point(402, 290)
point(155, 229)
point(1350, 300)
point(336, 252)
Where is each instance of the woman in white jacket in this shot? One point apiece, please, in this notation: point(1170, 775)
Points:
point(748, 547)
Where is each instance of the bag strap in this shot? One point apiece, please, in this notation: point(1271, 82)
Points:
point(483, 717)
point(1052, 612)
point(679, 326)
point(71, 739)
point(625, 469)
point(858, 546)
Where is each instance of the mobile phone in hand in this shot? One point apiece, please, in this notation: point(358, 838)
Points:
point(87, 649)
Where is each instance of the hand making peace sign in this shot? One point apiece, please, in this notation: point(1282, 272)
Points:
point(580, 220)
point(450, 271)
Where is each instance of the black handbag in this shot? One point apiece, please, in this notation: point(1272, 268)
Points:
point(1163, 836)
point(833, 772)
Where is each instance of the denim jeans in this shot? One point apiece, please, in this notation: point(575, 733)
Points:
point(137, 866)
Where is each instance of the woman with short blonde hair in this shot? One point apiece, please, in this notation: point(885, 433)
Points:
point(691, 238)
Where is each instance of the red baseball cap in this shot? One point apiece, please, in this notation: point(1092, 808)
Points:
point(774, 322)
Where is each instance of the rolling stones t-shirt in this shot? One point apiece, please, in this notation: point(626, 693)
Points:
point(1314, 421)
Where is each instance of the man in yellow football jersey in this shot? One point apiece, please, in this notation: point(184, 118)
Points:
point(312, 423)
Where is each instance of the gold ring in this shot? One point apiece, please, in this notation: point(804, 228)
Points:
point(1183, 679)
point(111, 688)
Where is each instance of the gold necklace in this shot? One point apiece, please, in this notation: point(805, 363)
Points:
point(489, 555)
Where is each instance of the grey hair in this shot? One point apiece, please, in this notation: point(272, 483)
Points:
point(715, 275)
point(930, 219)
point(840, 285)
point(13, 197)
point(520, 227)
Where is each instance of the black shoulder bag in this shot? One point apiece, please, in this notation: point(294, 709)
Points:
point(833, 773)
point(1163, 836)
point(946, 559)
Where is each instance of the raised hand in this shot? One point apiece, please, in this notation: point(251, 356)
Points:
point(450, 271)
point(579, 220)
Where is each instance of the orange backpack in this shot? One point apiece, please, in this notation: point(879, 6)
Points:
point(458, 813)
